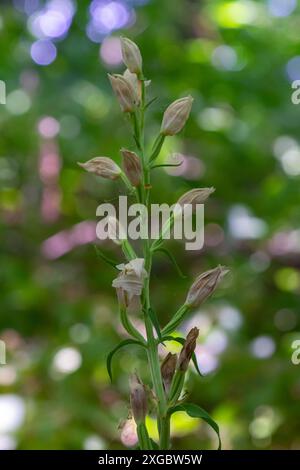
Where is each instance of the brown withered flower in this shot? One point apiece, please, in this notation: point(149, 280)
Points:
point(138, 399)
point(132, 167)
point(188, 349)
point(167, 368)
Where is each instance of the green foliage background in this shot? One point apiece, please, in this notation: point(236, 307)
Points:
point(255, 400)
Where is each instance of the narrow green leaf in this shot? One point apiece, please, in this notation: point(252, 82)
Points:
point(157, 147)
point(154, 445)
point(150, 102)
point(181, 341)
point(105, 258)
point(195, 411)
point(155, 322)
point(173, 261)
point(144, 439)
point(195, 362)
point(165, 165)
point(176, 319)
point(119, 346)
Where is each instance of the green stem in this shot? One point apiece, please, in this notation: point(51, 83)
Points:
point(144, 440)
point(129, 326)
point(165, 432)
point(176, 387)
point(127, 183)
point(176, 320)
point(152, 344)
point(128, 250)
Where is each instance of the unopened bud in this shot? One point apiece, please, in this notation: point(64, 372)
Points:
point(131, 56)
point(135, 84)
point(168, 369)
point(102, 166)
point(124, 92)
point(132, 167)
point(138, 399)
point(188, 349)
point(176, 116)
point(193, 197)
point(204, 286)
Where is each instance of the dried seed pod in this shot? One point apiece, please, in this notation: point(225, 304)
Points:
point(132, 167)
point(188, 349)
point(138, 399)
point(176, 116)
point(131, 56)
point(167, 368)
point(204, 286)
point(102, 166)
point(124, 92)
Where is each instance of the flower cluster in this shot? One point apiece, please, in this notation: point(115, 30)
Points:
point(163, 396)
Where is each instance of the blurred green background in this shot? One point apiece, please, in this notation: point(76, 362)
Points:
point(58, 309)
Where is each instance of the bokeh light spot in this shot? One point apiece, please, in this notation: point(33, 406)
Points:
point(262, 347)
point(110, 51)
point(43, 52)
point(18, 102)
point(67, 360)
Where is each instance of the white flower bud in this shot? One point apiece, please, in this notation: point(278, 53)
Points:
point(204, 286)
point(131, 56)
point(102, 166)
point(195, 196)
point(132, 167)
point(176, 116)
point(135, 83)
point(124, 92)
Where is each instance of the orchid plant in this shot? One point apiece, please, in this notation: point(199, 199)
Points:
point(133, 280)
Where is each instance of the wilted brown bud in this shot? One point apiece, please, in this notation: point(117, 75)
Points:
point(204, 286)
point(138, 399)
point(131, 56)
point(102, 166)
point(124, 92)
point(132, 167)
point(167, 368)
point(188, 349)
point(176, 116)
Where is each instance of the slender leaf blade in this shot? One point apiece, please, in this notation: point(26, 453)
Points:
point(195, 411)
point(110, 356)
point(173, 261)
point(155, 322)
point(105, 258)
